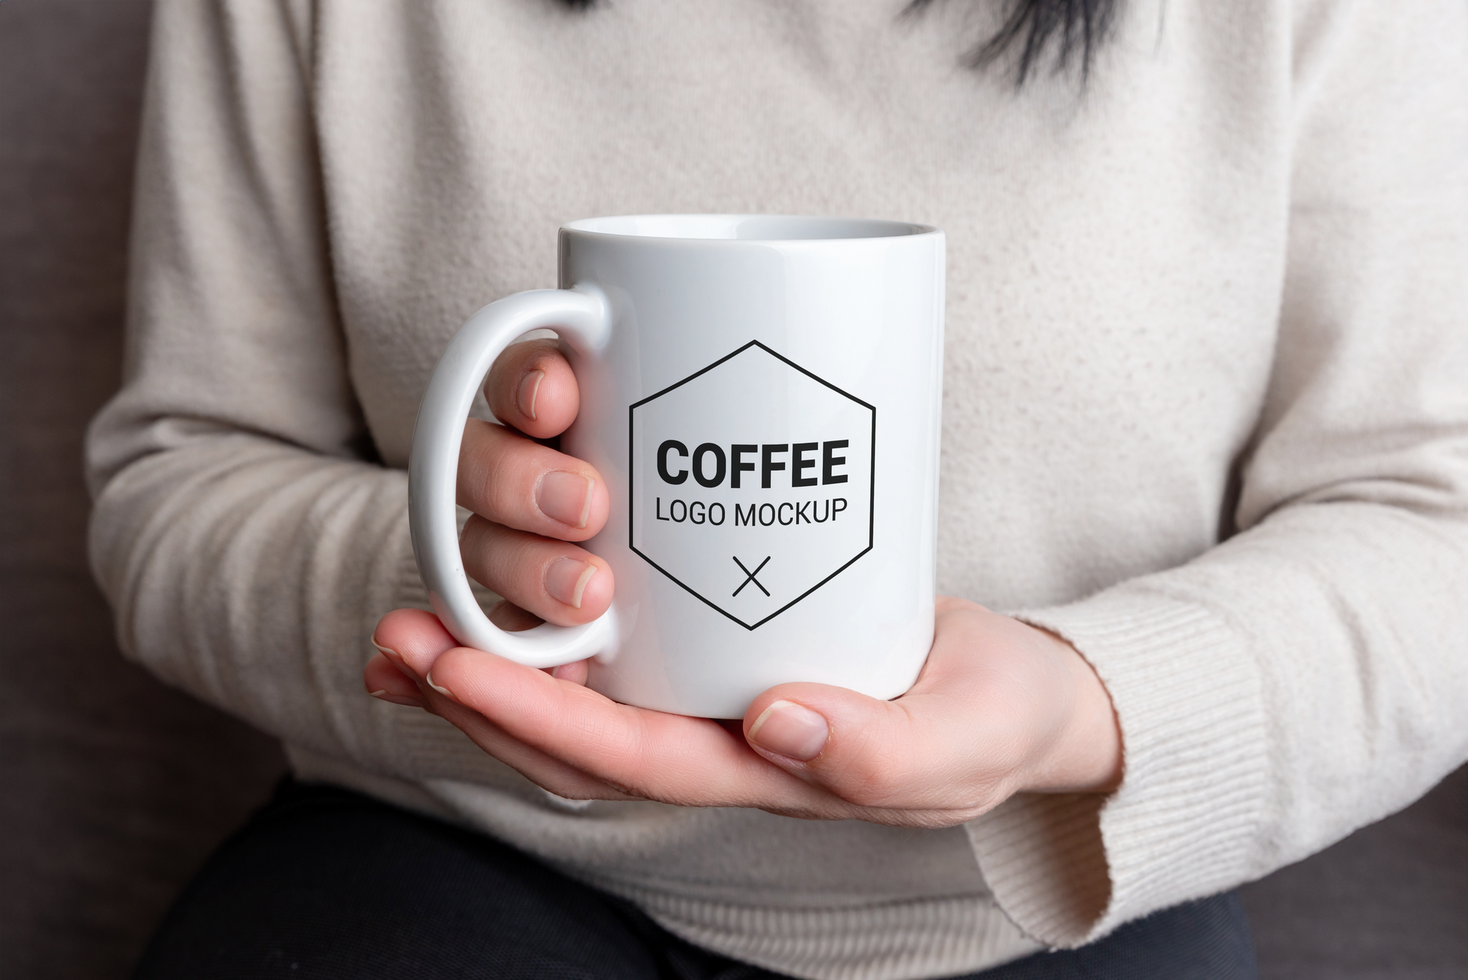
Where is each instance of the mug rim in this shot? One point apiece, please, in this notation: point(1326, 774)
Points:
point(725, 228)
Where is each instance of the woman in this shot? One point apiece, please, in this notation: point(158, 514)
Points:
point(1204, 440)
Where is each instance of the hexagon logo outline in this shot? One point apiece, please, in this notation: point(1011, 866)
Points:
point(632, 495)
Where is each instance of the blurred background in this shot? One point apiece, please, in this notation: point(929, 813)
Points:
point(114, 788)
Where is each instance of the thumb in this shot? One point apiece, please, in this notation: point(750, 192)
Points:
point(867, 752)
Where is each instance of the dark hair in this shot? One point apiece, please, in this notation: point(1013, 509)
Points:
point(1074, 25)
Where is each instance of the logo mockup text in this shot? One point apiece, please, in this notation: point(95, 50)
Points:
point(751, 483)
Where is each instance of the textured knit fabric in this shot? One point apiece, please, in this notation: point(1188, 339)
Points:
point(290, 895)
point(1205, 407)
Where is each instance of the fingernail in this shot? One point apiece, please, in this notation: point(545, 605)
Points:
point(385, 695)
point(394, 658)
point(566, 580)
point(529, 388)
point(565, 497)
point(789, 729)
point(440, 689)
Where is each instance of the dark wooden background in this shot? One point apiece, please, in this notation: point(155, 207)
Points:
point(114, 788)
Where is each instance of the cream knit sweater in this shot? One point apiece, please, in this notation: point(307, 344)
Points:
point(1206, 405)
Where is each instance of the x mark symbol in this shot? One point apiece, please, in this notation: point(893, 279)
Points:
point(750, 576)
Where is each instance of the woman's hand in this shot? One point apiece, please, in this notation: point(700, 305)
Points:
point(1000, 706)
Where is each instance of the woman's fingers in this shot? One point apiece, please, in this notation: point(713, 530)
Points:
point(409, 641)
point(528, 498)
point(546, 771)
point(511, 480)
point(412, 640)
point(688, 761)
point(386, 683)
point(531, 388)
point(558, 582)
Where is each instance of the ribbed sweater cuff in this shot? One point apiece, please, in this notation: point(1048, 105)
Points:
point(1070, 868)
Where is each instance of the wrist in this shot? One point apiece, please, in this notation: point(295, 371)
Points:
point(1086, 754)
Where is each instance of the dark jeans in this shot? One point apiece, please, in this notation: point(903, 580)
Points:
point(324, 883)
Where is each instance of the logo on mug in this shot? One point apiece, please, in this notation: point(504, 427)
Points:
point(751, 482)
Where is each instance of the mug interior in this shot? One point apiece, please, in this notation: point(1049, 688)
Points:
point(745, 227)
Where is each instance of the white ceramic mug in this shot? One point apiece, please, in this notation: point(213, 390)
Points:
point(762, 396)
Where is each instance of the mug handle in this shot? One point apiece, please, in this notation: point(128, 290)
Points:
point(582, 317)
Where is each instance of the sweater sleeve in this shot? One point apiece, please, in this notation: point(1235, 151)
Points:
point(242, 529)
point(1308, 675)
